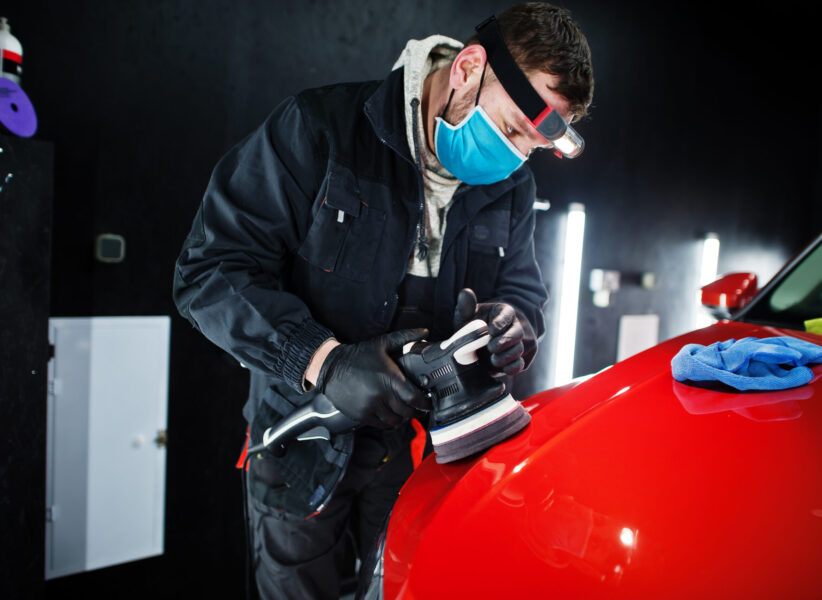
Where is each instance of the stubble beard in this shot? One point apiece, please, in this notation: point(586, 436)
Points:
point(458, 111)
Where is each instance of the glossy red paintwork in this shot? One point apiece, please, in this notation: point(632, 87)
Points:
point(627, 485)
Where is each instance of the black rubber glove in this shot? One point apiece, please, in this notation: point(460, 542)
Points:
point(513, 341)
point(367, 386)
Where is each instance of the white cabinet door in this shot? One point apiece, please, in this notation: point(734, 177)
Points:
point(105, 467)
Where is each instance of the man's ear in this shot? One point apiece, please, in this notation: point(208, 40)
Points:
point(466, 69)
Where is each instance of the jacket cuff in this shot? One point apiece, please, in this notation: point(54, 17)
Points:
point(298, 350)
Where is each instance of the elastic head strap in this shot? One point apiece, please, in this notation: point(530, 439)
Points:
point(447, 104)
point(482, 78)
point(543, 116)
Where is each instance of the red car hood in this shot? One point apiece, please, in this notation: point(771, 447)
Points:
point(629, 484)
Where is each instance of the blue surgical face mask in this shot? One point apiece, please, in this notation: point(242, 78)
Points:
point(475, 150)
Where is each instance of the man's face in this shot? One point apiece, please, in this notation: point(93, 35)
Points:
point(505, 113)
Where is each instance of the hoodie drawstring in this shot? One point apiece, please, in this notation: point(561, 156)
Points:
point(422, 237)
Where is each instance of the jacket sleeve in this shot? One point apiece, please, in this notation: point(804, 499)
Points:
point(227, 279)
point(519, 281)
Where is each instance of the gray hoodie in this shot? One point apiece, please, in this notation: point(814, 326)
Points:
point(419, 59)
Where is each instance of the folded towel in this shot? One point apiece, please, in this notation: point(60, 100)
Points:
point(749, 364)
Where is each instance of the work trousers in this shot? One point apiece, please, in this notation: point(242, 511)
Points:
point(302, 558)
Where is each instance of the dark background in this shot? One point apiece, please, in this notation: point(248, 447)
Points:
point(705, 118)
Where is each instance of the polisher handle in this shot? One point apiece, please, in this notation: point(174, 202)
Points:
point(322, 415)
point(319, 413)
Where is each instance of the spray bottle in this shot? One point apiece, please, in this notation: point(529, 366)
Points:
point(11, 53)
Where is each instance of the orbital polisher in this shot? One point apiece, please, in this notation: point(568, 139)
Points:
point(472, 411)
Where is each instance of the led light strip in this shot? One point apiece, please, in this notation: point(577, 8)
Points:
point(569, 295)
point(707, 274)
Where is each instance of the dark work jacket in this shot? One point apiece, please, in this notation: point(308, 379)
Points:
point(305, 233)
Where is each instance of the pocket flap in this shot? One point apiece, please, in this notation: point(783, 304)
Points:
point(491, 228)
point(342, 193)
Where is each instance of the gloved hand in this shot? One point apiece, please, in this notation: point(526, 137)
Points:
point(513, 342)
point(367, 386)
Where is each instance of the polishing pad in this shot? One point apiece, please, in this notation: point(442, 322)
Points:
point(479, 431)
point(16, 112)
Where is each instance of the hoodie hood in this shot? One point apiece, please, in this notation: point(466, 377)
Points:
point(419, 59)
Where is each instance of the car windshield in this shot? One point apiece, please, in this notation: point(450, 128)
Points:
point(795, 296)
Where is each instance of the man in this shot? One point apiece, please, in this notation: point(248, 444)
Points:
point(346, 226)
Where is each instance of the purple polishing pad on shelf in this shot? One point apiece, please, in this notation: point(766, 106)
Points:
point(16, 112)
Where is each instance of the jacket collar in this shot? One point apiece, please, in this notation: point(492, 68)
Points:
point(386, 113)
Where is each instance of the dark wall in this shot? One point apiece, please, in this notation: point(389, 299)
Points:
point(26, 188)
point(703, 121)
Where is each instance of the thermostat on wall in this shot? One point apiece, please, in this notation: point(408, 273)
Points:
point(110, 248)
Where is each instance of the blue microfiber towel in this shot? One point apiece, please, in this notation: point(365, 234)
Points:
point(749, 364)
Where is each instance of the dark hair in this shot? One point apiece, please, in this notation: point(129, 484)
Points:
point(542, 37)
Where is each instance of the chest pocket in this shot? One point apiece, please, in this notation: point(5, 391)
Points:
point(487, 244)
point(345, 236)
